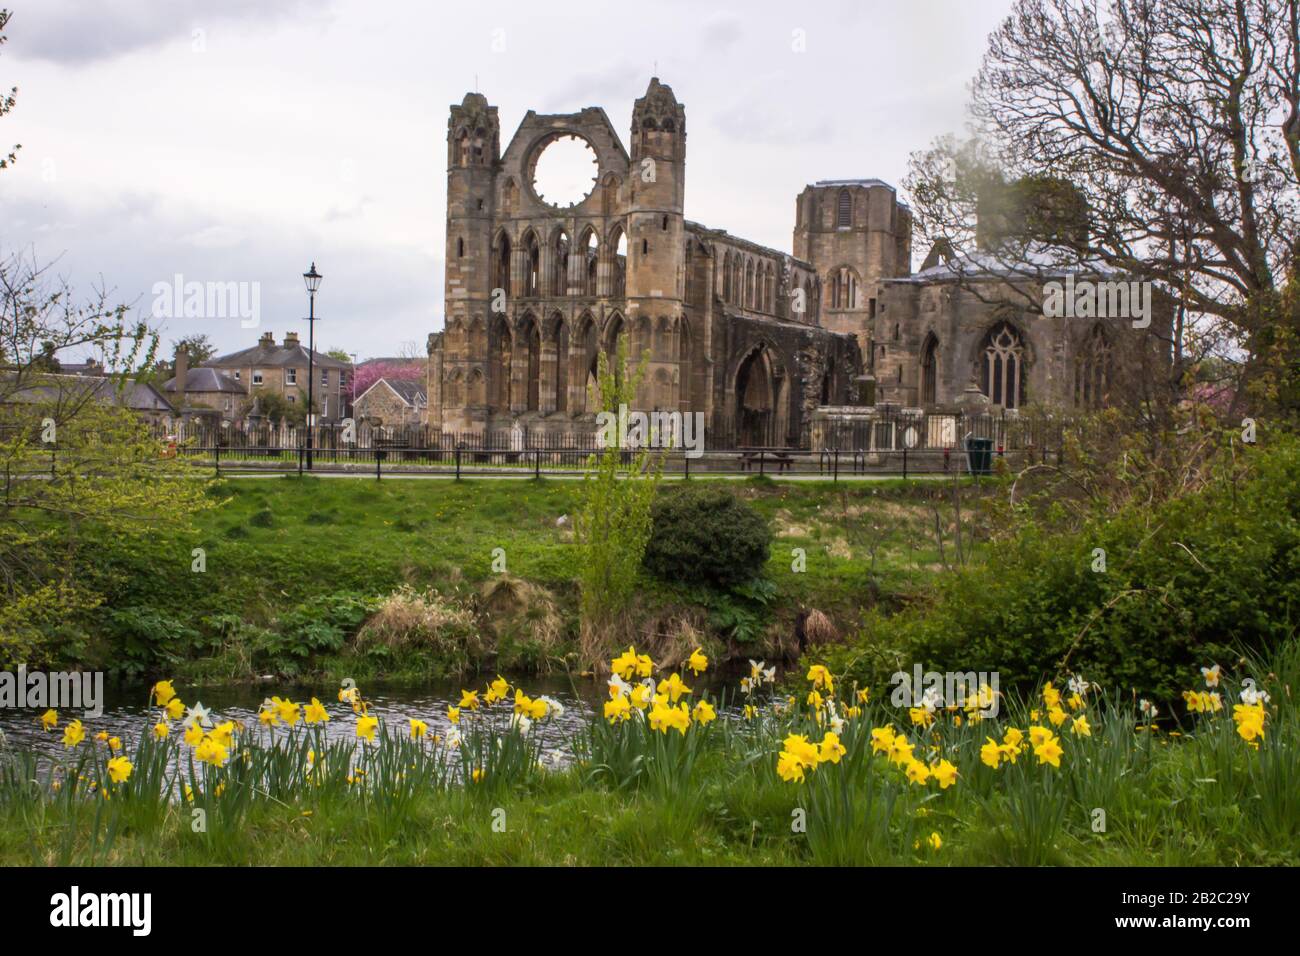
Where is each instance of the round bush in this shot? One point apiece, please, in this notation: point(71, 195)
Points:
point(706, 535)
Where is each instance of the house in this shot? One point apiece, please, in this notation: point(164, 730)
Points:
point(283, 369)
point(206, 391)
point(392, 401)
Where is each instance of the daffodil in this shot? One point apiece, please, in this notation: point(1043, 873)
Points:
point(175, 708)
point(802, 750)
point(50, 719)
point(1038, 736)
point(161, 731)
point(497, 690)
point(944, 773)
point(418, 728)
point(882, 739)
point(468, 700)
point(697, 662)
point(703, 712)
point(1080, 726)
point(163, 692)
point(821, 678)
point(830, 750)
point(673, 688)
point(934, 841)
point(288, 711)
point(315, 712)
point(1049, 752)
point(789, 768)
point(224, 732)
point(1051, 696)
point(900, 750)
point(625, 664)
point(991, 753)
point(453, 714)
point(917, 772)
point(267, 716)
point(366, 727)
point(617, 708)
point(73, 733)
point(211, 752)
point(119, 768)
point(1211, 675)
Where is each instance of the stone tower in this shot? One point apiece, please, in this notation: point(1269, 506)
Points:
point(855, 233)
point(655, 224)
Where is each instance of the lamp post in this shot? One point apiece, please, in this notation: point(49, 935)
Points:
point(312, 279)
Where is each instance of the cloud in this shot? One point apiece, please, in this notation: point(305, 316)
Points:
point(80, 32)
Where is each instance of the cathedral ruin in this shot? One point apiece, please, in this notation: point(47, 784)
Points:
point(754, 338)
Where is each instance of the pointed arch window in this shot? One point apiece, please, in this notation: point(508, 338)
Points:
point(1092, 370)
point(1002, 366)
point(929, 370)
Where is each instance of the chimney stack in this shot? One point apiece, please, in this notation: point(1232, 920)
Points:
point(290, 340)
point(182, 371)
point(267, 339)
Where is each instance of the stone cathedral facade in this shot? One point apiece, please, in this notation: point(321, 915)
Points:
point(754, 338)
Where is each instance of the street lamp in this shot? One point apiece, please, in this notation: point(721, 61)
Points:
point(312, 279)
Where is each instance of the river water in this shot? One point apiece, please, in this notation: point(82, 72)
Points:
point(126, 713)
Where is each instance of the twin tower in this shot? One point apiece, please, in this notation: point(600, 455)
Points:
point(538, 286)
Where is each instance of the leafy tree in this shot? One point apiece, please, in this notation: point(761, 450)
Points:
point(80, 467)
point(613, 525)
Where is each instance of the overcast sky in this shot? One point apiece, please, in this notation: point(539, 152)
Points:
point(239, 140)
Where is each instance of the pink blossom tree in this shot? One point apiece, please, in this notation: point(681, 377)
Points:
point(371, 372)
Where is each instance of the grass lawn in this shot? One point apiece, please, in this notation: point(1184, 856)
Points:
point(274, 545)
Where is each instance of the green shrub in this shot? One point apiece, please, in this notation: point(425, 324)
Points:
point(1187, 581)
point(705, 534)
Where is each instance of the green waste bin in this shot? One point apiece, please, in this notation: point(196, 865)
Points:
point(979, 455)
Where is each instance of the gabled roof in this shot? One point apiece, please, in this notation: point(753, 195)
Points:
point(411, 392)
point(206, 380)
point(271, 355)
point(137, 396)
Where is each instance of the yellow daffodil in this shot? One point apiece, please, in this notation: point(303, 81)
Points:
point(1038, 735)
point(944, 773)
point(917, 772)
point(900, 750)
point(673, 688)
point(119, 768)
point(73, 733)
point(935, 841)
point(991, 753)
point(1080, 726)
point(803, 750)
point(821, 678)
point(497, 690)
point(625, 664)
point(50, 719)
point(163, 692)
point(697, 662)
point(418, 728)
point(1051, 696)
point(268, 717)
point(640, 696)
point(161, 730)
point(193, 735)
point(366, 727)
point(830, 750)
point(212, 752)
point(288, 711)
point(175, 708)
point(315, 712)
point(789, 768)
point(644, 665)
point(1049, 751)
point(617, 708)
point(223, 733)
point(468, 700)
point(1056, 716)
point(703, 712)
point(453, 714)
point(882, 739)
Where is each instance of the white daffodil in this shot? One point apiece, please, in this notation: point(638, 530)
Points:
point(521, 723)
point(553, 707)
point(198, 713)
point(452, 739)
point(1147, 709)
point(1211, 675)
point(1078, 685)
point(618, 687)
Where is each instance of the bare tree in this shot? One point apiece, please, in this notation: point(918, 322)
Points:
point(1178, 121)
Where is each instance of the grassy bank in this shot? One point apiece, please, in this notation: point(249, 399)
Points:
point(1070, 776)
point(293, 567)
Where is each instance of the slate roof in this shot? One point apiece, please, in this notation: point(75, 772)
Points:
point(207, 380)
point(271, 355)
point(409, 391)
